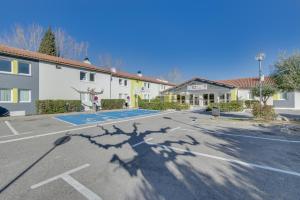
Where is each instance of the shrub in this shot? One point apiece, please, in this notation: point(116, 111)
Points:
point(157, 105)
point(232, 106)
point(58, 106)
point(267, 112)
point(109, 104)
point(250, 103)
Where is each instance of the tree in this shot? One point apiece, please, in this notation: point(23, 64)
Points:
point(29, 37)
point(47, 45)
point(68, 47)
point(174, 75)
point(287, 73)
point(24, 37)
point(267, 92)
point(107, 60)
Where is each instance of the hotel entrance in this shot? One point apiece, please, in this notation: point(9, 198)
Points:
point(200, 92)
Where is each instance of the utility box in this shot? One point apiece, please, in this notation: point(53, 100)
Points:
point(215, 112)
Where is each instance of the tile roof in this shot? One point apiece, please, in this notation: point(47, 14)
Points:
point(246, 83)
point(73, 63)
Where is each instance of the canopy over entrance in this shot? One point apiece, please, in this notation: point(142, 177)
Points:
point(200, 92)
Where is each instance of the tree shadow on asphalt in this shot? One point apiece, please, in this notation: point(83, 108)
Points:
point(58, 142)
point(170, 174)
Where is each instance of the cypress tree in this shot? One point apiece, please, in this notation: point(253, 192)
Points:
point(47, 45)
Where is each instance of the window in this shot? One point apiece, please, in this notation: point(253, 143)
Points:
point(5, 66)
point(125, 82)
point(5, 95)
point(83, 76)
point(145, 84)
point(148, 85)
point(25, 96)
point(283, 96)
point(120, 81)
point(251, 95)
point(92, 77)
point(120, 95)
point(24, 68)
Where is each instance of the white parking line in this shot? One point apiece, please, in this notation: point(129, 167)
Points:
point(90, 195)
point(246, 136)
point(231, 160)
point(142, 142)
point(80, 128)
point(12, 129)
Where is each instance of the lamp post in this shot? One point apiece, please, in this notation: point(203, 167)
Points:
point(260, 57)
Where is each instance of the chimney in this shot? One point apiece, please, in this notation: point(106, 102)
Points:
point(87, 61)
point(139, 73)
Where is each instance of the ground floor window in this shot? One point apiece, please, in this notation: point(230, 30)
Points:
point(25, 96)
point(182, 99)
point(5, 95)
point(222, 98)
point(211, 98)
point(283, 96)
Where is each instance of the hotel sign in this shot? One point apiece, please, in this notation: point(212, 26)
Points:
point(197, 87)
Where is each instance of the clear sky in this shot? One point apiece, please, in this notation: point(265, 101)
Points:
point(212, 39)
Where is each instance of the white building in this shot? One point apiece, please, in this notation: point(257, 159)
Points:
point(50, 78)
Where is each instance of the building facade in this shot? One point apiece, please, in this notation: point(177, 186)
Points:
point(26, 77)
point(200, 92)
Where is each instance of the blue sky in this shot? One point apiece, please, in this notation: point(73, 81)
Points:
point(212, 39)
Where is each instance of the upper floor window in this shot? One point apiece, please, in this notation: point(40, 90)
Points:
point(125, 82)
point(25, 96)
point(92, 77)
point(120, 81)
point(24, 68)
point(83, 76)
point(5, 66)
point(5, 95)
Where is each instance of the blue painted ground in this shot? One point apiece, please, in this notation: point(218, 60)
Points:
point(81, 119)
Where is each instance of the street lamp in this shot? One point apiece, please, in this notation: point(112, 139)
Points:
point(260, 57)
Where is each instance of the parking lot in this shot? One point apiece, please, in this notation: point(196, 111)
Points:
point(161, 155)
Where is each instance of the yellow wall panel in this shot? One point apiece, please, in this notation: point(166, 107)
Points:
point(15, 67)
point(15, 95)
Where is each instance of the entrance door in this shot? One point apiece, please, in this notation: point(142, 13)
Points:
point(211, 98)
point(196, 101)
point(205, 99)
point(182, 99)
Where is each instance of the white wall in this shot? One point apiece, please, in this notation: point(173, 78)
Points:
point(297, 99)
point(57, 83)
point(117, 89)
point(244, 94)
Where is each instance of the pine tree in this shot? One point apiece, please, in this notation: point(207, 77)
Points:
point(47, 45)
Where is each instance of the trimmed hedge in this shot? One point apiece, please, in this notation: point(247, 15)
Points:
point(250, 103)
point(232, 106)
point(58, 106)
point(267, 112)
point(156, 105)
point(110, 104)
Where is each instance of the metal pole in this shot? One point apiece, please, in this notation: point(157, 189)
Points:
point(260, 86)
point(110, 85)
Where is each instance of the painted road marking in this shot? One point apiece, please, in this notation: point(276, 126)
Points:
point(73, 182)
point(12, 129)
point(80, 128)
point(265, 167)
point(246, 136)
point(142, 142)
